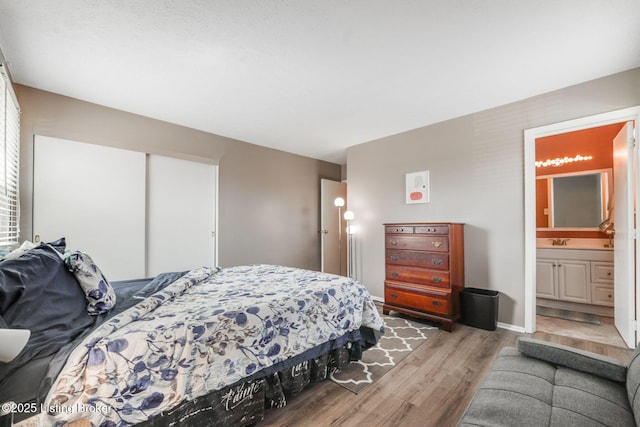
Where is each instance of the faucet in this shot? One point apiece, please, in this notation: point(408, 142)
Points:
point(559, 242)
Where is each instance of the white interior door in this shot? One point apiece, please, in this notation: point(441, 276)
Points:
point(94, 196)
point(624, 172)
point(181, 214)
point(332, 234)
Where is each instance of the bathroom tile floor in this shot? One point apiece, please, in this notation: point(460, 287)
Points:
point(605, 333)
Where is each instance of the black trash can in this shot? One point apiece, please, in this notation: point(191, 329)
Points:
point(479, 308)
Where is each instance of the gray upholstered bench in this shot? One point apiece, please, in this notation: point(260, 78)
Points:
point(544, 384)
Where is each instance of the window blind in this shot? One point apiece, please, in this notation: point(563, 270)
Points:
point(9, 162)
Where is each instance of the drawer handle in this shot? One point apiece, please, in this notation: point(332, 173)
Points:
point(436, 261)
point(436, 303)
point(395, 273)
point(436, 244)
point(437, 279)
point(608, 273)
point(394, 257)
point(394, 296)
point(393, 242)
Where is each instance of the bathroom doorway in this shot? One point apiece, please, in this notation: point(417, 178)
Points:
point(333, 243)
point(574, 247)
point(578, 270)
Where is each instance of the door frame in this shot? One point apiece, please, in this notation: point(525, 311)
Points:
point(530, 136)
point(329, 190)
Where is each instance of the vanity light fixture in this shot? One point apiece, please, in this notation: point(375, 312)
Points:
point(561, 161)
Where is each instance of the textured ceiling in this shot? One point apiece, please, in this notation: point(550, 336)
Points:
point(313, 77)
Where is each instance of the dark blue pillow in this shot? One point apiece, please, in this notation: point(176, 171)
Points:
point(59, 245)
point(38, 293)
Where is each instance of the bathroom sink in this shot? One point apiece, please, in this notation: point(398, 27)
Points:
point(574, 243)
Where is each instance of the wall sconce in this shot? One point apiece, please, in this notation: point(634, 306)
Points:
point(12, 341)
point(348, 216)
point(339, 202)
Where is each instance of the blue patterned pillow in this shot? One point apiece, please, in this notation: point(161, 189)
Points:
point(97, 289)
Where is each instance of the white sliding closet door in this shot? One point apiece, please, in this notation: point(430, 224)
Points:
point(95, 197)
point(181, 214)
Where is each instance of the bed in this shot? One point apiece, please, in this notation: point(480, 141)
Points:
point(209, 346)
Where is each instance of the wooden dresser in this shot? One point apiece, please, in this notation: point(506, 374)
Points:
point(424, 270)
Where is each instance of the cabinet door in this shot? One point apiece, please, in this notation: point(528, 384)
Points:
point(573, 281)
point(546, 279)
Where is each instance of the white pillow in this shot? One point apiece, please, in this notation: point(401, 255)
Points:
point(25, 247)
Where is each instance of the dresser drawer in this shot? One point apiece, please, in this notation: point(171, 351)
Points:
point(432, 229)
point(418, 242)
point(398, 229)
point(601, 272)
point(422, 276)
point(435, 260)
point(434, 302)
point(602, 295)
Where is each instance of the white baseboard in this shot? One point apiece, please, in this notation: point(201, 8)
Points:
point(510, 327)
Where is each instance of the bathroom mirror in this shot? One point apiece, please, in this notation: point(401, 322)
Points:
point(574, 201)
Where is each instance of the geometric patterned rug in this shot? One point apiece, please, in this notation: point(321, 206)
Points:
point(401, 337)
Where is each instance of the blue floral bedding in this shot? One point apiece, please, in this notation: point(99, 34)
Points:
point(207, 330)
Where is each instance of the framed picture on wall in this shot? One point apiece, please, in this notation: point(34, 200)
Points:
point(417, 187)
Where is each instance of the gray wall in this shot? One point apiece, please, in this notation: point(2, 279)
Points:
point(268, 199)
point(477, 177)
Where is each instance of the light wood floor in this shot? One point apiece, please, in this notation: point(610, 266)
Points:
point(431, 387)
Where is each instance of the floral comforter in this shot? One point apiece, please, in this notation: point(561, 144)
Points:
point(207, 330)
